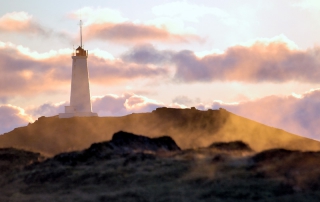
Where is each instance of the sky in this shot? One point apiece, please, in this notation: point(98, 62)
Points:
point(256, 58)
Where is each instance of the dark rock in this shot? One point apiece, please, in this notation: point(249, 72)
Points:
point(11, 159)
point(73, 158)
point(283, 189)
point(121, 143)
point(124, 141)
point(231, 146)
point(138, 157)
point(273, 154)
point(128, 196)
point(218, 158)
point(47, 175)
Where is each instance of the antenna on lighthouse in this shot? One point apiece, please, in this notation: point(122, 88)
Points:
point(81, 33)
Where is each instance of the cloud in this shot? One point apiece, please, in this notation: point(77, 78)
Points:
point(98, 15)
point(183, 100)
point(106, 105)
point(261, 62)
point(187, 11)
point(104, 71)
point(308, 4)
point(129, 32)
point(114, 105)
point(46, 109)
point(24, 24)
point(21, 22)
point(12, 117)
point(275, 60)
point(29, 72)
point(298, 114)
point(147, 54)
point(25, 72)
point(109, 24)
point(21, 73)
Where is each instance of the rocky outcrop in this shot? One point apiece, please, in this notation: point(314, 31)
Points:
point(231, 146)
point(122, 143)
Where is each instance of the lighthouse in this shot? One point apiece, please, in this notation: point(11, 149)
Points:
point(80, 102)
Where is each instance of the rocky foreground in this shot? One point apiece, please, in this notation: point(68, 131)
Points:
point(138, 168)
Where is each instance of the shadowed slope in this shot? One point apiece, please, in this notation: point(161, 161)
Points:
point(188, 127)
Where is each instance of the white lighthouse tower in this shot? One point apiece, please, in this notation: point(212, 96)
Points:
point(80, 103)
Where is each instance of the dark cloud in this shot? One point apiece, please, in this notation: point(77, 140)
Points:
point(147, 54)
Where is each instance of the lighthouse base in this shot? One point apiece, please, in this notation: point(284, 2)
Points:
point(77, 114)
point(70, 111)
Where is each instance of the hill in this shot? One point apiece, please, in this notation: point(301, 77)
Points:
point(190, 128)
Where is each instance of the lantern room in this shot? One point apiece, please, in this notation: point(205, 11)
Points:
point(81, 52)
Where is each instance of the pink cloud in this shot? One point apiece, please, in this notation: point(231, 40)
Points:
point(127, 32)
point(107, 105)
point(46, 109)
point(272, 62)
point(23, 74)
point(147, 54)
point(12, 117)
point(299, 115)
point(113, 105)
point(20, 22)
point(117, 71)
point(15, 21)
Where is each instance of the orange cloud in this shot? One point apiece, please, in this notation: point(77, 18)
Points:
point(15, 21)
point(127, 32)
point(20, 22)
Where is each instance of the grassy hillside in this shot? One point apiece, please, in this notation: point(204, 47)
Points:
point(190, 128)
